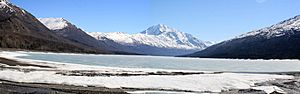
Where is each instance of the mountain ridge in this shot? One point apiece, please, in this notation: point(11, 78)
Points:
point(276, 29)
point(21, 30)
point(278, 41)
point(66, 29)
point(156, 37)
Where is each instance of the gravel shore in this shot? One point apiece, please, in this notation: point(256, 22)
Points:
point(8, 87)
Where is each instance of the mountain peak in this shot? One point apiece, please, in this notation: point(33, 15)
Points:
point(161, 26)
point(158, 29)
point(54, 23)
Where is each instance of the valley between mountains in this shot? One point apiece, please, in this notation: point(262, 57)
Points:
point(55, 56)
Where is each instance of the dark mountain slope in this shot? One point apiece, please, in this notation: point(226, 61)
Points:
point(66, 29)
point(21, 30)
point(279, 41)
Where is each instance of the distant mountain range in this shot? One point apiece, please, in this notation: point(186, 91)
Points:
point(279, 41)
point(66, 29)
point(156, 40)
point(21, 30)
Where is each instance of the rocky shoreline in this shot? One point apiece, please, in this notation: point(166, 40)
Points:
point(8, 87)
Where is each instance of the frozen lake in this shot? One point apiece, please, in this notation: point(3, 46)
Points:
point(114, 64)
point(177, 63)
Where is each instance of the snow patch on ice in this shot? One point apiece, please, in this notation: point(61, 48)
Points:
point(8, 54)
point(160, 92)
point(199, 83)
point(269, 89)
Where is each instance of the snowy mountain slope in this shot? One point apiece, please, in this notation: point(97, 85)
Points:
point(65, 29)
point(4, 4)
point(6, 10)
point(156, 38)
point(54, 23)
point(286, 27)
point(68, 30)
point(279, 41)
point(159, 35)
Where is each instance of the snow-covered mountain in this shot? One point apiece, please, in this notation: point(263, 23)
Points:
point(66, 29)
point(55, 23)
point(157, 40)
point(286, 27)
point(279, 41)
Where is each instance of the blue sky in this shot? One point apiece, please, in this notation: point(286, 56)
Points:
point(213, 20)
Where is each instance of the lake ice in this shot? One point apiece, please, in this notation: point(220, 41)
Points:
point(111, 63)
point(178, 63)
